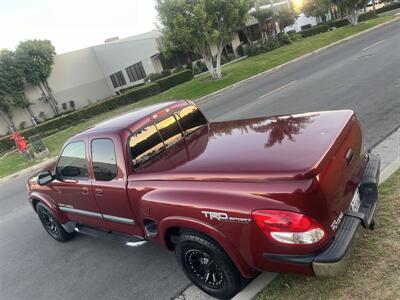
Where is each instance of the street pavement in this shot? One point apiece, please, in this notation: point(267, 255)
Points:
point(361, 74)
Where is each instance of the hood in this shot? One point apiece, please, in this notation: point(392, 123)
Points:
point(290, 147)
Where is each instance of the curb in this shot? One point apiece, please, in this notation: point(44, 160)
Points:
point(239, 83)
point(28, 170)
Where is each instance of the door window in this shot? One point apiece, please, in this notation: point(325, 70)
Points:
point(169, 130)
point(73, 163)
point(104, 161)
point(145, 144)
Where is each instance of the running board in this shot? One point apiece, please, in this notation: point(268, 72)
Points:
point(124, 239)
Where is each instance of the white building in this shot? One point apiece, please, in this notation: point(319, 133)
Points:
point(92, 74)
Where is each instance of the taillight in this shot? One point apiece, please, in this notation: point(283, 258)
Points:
point(288, 227)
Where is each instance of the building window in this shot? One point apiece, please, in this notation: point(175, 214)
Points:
point(136, 72)
point(118, 79)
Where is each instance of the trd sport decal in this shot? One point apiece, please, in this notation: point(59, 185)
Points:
point(221, 216)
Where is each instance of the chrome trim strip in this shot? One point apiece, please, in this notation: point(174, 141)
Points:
point(80, 212)
point(118, 219)
point(68, 208)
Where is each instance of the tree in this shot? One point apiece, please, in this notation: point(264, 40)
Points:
point(351, 8)
point(262, 16)
point(12, 83)
point(36, 58)
point(5, 112)
point(199, 25)
point(285, 17)
point(317, 8)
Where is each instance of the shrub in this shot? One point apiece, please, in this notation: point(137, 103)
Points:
point(338, 23)
point(22, 125)
point(367, 16)
point(388, 7)
point(294, 37)
point(165, 73)
point(133, 87)
point(155, 76)
point(240, 50)
point(314, 30)
point(72, 104)
point(64, 106)
point(178, 69)
point(170, 81)
point(70, 119)
point(283, 39)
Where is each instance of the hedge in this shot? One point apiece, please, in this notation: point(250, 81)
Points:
point(177, 78)
point(314, 30)
point(388, 7)
point(130, 96)
point(338, 23)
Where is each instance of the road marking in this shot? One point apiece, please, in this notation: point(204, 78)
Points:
point(373, 45)
point(278, 89)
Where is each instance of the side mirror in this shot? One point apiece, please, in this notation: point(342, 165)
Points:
point(45, 178)
point(70, 171)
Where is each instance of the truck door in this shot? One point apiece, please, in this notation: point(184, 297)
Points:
point(72, 190)
point(109, 184)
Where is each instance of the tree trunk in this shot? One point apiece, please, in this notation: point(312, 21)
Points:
point(47, 98)
point(30, 115)
point(373, 5)
point(210, 66)
point(352, 16)
point(218, 69)
point(51, 96)
point(7, 118)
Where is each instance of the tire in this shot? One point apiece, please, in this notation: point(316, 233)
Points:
point(207, 265)
point(51, 224)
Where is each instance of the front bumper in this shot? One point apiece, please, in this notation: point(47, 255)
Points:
point(334, 259)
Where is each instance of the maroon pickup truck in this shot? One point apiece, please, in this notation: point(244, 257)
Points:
point(282, 194)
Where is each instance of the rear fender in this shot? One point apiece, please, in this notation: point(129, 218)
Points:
point(51, 205)
point(196, 225)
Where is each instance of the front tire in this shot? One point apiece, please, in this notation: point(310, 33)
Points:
point(207, 265)
point(51, 224)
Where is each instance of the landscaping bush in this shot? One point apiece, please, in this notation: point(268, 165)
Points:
point(67, 120)
point(131, 87)
point(283, 39)
point(294, 36)
point(366, 16)
point(388, 7)
point(155, 76)
point(240, 50)
point(338, 23)
point(314, 30)
point(170, 81)
point(165, 73)
point(178, 69)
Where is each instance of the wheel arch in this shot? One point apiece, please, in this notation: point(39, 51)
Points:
point(176, 225)
point(37, 198)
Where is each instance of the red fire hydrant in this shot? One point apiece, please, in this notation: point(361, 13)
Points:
point(21, 145)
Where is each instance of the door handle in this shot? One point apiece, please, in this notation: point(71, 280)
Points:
point(85, 191)
point(99, 192)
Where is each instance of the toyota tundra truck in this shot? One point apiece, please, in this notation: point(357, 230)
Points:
point(284, 194)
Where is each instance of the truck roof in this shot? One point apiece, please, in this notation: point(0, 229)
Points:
point(129, 120)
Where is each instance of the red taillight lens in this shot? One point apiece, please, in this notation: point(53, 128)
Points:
point(288, 227)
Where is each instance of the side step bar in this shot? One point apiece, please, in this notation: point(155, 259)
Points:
point(124, 239)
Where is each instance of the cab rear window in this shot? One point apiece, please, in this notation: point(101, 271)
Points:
point(151, 140)
point(191, 119)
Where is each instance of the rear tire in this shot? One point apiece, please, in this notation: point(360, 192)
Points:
point(51, 224)
point(207, 265)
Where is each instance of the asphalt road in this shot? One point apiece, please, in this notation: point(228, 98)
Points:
point(362, 74)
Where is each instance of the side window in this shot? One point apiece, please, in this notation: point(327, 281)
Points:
point(191, 119)
point(144, 145)
point(169, 130)
point(104, 161)
point(73, 163)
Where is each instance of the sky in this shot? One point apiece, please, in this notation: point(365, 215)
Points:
point(73, 24)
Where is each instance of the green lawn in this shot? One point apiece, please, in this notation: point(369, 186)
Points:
point(374, 270)
point(202, 85)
